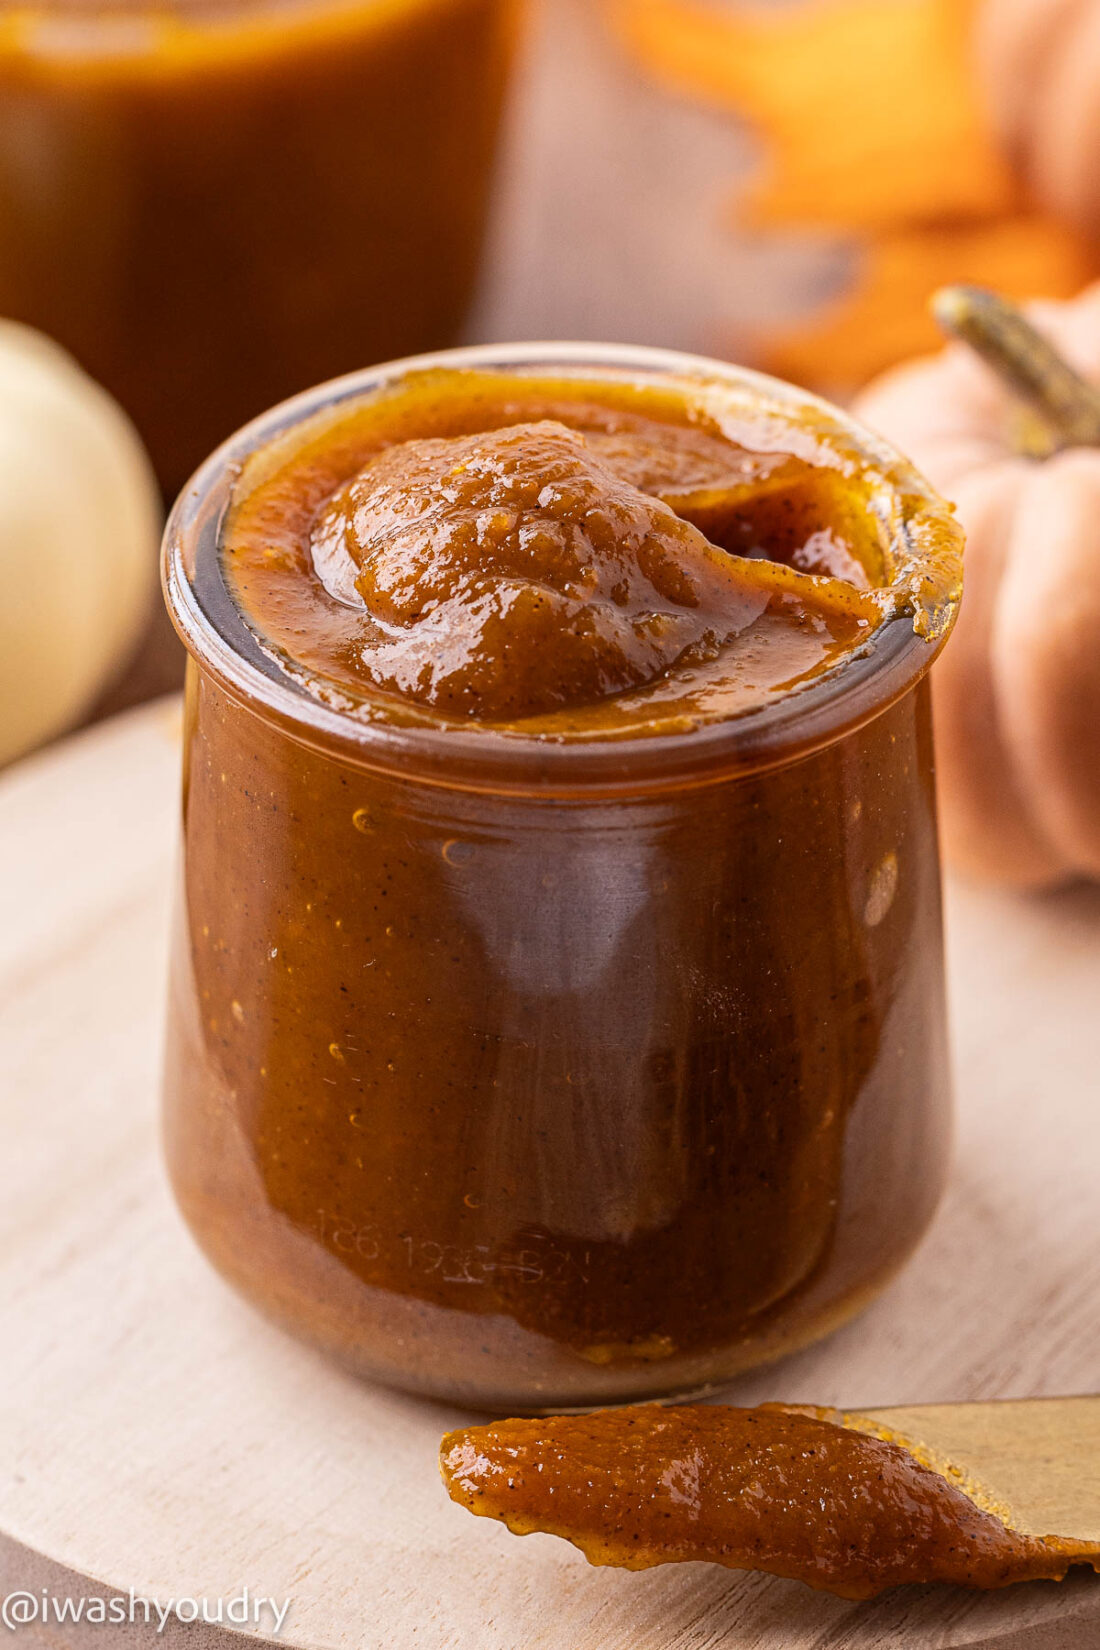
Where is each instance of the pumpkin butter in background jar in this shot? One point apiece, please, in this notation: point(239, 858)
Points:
point(557, 1006)
point(215, 203)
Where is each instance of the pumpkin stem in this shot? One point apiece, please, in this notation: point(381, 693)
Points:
point(1024, 360)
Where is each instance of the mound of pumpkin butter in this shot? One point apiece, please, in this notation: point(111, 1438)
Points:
point(522, 570)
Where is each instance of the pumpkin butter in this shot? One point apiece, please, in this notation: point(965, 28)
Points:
point(790, 1491)
point(557, 1008)
point(520, 573)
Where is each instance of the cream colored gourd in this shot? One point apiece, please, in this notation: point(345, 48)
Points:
point(1014, 441)
point(79, 524)
point(1038, 63)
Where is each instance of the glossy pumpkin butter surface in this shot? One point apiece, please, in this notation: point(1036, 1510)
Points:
point(792, 1491)
point(557, 1005)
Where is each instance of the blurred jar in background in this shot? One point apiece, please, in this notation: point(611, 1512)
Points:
point(214, 205)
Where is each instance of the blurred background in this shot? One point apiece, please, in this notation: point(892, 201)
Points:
point(617, 205)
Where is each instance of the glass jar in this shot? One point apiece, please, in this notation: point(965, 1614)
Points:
point(540, 1075)
point(214, 203)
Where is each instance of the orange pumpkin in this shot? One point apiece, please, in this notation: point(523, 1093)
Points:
point(1017, 692)
point(1039, 67)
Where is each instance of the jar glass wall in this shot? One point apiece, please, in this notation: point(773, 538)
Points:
point(213, 205)
point(544, 1076)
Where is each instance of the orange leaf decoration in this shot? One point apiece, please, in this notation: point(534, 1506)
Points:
point(883, 318)
point(869, 106)
point(873, 127)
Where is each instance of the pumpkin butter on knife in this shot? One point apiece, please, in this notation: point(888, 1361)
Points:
point(838, 1501)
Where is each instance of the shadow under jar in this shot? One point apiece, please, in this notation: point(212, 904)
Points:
point(215, 203)
point(557, 1009)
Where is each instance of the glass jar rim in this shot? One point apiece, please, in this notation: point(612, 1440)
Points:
point(843, 698)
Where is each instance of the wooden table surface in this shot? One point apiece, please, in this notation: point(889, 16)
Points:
point(155, 1434)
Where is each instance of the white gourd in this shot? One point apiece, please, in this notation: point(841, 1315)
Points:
point(80, 518)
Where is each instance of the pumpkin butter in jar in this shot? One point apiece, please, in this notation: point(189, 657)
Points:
point(557, 1005)
point(216, 203)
